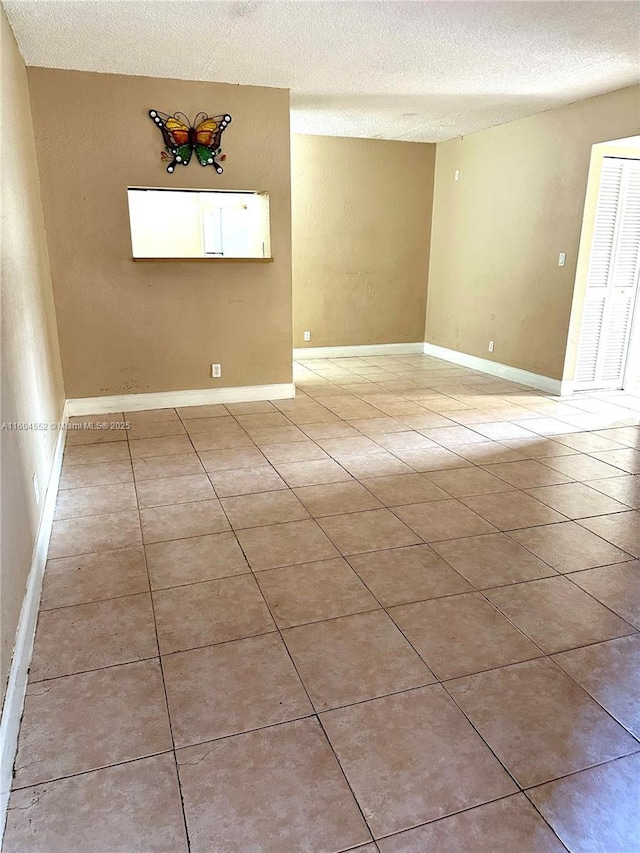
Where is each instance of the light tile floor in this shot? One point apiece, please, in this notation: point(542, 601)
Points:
point(399, 614)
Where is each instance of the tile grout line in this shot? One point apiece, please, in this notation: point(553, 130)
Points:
point(345, 558)
point(164, 685)
point(304, 687)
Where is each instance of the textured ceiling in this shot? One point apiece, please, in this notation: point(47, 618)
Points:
point(423, 71)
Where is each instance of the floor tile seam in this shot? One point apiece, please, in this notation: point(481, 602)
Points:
point(627, 558)
point(361, 482)
point(69, 465)
point(592, 766)
point(261, 728)
point(55, 608)
point(344, 555)
point(522, 492)
point(546, 562)
point(606, 476)
point(93, 514)
point(345, 777)
point(52, 678)
point(215, 644)
point(395, 510)
point(164, 692)
point(93, 443)
point(386, 609)
point(244, 494)
point(613, 544)
point(284, 414)
point(562, 672)
point(102, 551)
point(93, 601)
point(543, 656)
point(80, 464)
point(576, 483)
point(604, 514)
point(633, 628)
point(442, 818)
point(249, 568)
point(98, 769)
point(494, 608)
point(133, 511)
point(613, 465)
point(149, 542)
point(268, 463)
point(97, 485)
point(467, 462)
point(574, 679)
point(539, 812)
point(567, 482)
point(308, 695)
point(520, 787)
point(442, 685)
point(165, 476)
point(253, 445)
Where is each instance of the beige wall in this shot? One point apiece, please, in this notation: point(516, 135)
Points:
point(361, 224)
point(498, 231)
point(128, 327)
point(32, 389)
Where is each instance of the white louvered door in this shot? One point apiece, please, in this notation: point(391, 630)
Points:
point(612, 278)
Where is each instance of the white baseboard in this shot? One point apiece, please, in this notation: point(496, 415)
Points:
point(21, 660)
point(170, 399)
point(494, 368)
point(303, 353)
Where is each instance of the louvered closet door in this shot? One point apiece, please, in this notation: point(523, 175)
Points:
point(612, 279)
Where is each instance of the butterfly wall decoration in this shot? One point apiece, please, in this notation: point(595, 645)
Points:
point(181, 138)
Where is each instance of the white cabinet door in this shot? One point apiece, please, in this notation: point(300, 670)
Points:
point(226, 231)
point(612, 278)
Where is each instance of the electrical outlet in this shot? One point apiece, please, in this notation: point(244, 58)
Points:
point(307, 336)
point(216, 371)
point(457, 175)
point(491, 343)
point(36, 488)
point(562, 257)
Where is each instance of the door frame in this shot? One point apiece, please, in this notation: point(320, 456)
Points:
point(631, 377)
point(628, 149)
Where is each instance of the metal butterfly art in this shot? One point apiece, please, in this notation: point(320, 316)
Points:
point(181, 138)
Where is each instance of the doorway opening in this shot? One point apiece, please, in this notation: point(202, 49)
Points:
point(603, 351)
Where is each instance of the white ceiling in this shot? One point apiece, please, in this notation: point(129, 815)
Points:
point(412, 70)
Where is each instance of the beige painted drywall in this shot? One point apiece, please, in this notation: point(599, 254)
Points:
point(361, 224)
point(131, 327)
point(498, 231)
point(32, 389)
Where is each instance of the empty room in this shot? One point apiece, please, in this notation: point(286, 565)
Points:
point(320, 447)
